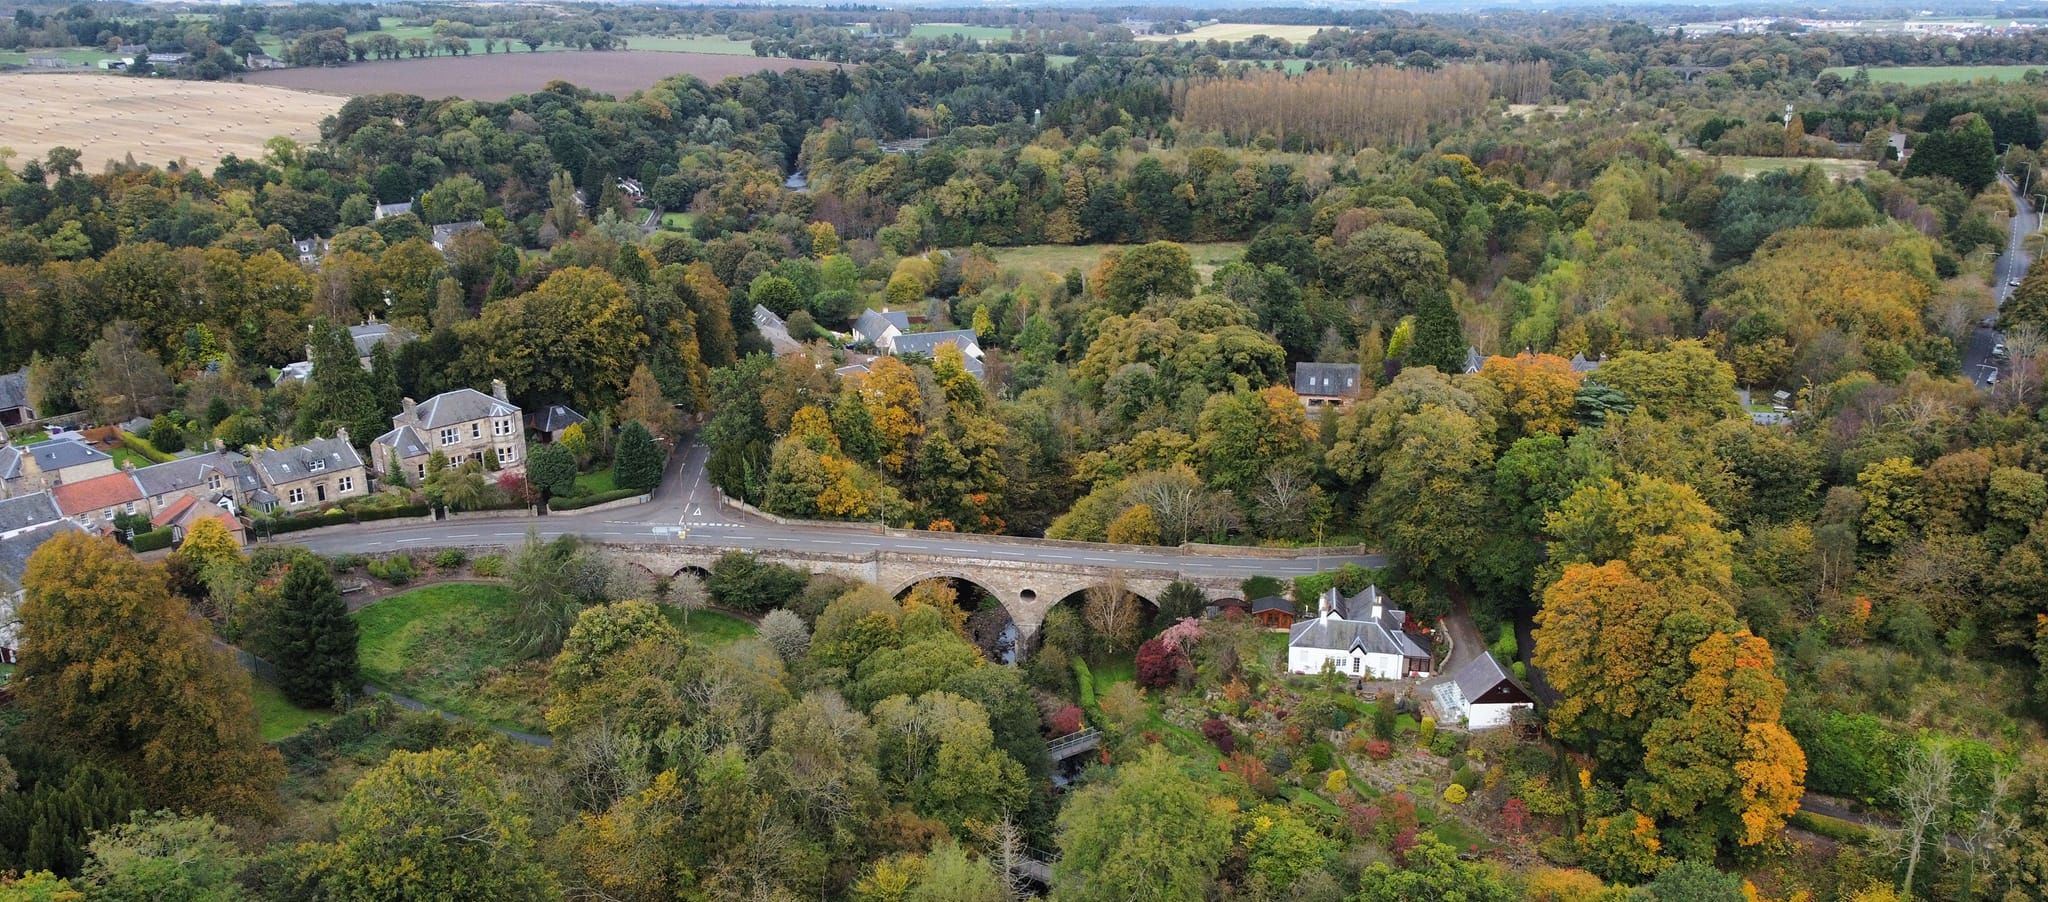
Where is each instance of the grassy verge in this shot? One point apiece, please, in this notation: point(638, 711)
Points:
point(276, 716)
point(446, 646)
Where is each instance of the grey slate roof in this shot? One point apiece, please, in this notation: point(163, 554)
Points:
point(187, 473)
point(928, 343)
point(1581, 365)
point(873, 323)
point(14, 389)
point(66, 450)
point(461, 406)
point(1272, 603)
point(1479, 675)
point(766, 319)
point(300, 461)
point(1354, 623)
point(557, 417)
point(369, 335)
point(10, 462)
point(15, 550)
point(1326, 379)
point(396, 209)
point(405, 439)
point(446, 232)
point(1473, 359)
point(24, 511)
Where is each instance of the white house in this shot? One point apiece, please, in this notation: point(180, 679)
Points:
point(877, 326)
point(1359, 637)
point(1482, 695)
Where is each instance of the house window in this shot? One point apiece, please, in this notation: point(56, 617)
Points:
point(506, 453)
point(501, 427)
point(449, 436)
point(476, 430)
point(423, 471)
point(1356, 664)
point(296, 496)
point(316, 466)
point(345, 485)
point(107, 515)
point(131, 507)
point(213, 482)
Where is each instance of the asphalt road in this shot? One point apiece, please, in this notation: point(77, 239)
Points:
point(1978, 361)
point(688, 511)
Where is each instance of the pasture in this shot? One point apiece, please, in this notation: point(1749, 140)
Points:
point(954, 29)
point(502, 75)
point(1751, 167)
point(107, 117)
point(1058, 258)
point(1916, 76)
point(1239, 31)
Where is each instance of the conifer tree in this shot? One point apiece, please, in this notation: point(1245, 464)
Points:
point(314, 637)
point(638, 462)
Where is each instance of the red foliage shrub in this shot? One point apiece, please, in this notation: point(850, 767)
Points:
point(1218, 732)
point(1064, 721)
point(1379, 750)
point(1159, 665)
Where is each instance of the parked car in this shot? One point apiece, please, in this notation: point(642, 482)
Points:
point(1998, 350)
point(1991, 379)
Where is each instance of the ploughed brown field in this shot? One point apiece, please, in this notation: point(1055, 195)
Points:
point(158, 120)
point(498, 76)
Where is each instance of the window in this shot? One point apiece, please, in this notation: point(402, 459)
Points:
point(423, 471)
point(213, 482)
point(476, 430)
point(449, 436)
point(316, 465)
point(501, 427)
point(107, 515)
point(1356, 663)
point(296, 496)
point(131, 507)
point(506, 453)
point(346, 485)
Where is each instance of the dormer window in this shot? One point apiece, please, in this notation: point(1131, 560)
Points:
point(213, 482)
point(316, 465)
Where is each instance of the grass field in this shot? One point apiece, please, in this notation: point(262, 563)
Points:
point(1061, 257)
point(707, 627)
point(1238, 31)
point(951, 29)
point(276, 717)
point(678, 221)
point(160, 121)
point(84, 56)
point(1751, 167)
point(1915, 76)
point(446, 645)
point(498, 76)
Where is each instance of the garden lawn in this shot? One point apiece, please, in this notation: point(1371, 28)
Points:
point(276, 717)
point(707, 627)
point(596, 481)
point(679, 222)
point(124, 456)
point(446, 645)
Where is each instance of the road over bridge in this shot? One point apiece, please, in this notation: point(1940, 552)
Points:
point(688, 525)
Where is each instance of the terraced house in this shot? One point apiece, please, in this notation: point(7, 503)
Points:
point(464, 425)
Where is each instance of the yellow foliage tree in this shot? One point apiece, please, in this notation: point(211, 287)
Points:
point(1538, 392)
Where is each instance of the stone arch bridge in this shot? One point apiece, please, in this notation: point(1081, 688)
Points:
point(1027, 590)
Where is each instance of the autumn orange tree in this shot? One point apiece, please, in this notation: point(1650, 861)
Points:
point(1538, 392)
point(113, 666)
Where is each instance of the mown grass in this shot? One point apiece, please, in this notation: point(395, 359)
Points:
point(707, 628)
point(1059, 258)
point(276, 717)
point(596, 481)
point(447, 646)
point(1917, 76)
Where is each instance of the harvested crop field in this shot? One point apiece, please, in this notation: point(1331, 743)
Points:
point(1240, 31)
point(159, 120)
point(501, 75)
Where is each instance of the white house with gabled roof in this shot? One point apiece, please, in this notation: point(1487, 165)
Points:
point(1360, 637)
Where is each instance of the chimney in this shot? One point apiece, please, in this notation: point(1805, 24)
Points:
point(409, 406)
point(498, 390)
point(341, 432)
point(220, 444)
point(1372, 593)
point(1327, 605)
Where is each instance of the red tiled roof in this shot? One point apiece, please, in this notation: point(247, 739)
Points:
point(174, 512)
point(97, 493)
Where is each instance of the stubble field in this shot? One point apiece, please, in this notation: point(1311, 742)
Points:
point(160, 121)
point(502, 75)
point(1239, 31)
